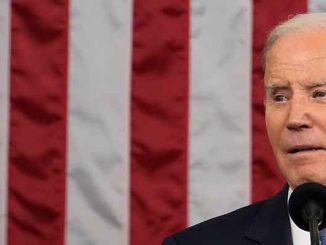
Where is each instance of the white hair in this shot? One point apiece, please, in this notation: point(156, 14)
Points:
point(296, 24)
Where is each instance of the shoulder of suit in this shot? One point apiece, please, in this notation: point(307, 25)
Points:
point(224, 228)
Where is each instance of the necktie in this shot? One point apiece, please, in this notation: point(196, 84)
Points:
point(323, 236)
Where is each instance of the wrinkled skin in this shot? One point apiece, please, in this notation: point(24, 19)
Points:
point(295, 105)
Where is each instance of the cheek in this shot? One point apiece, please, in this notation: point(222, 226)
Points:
point(319, 117)
point(274, 120)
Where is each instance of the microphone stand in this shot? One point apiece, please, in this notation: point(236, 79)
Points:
point(314, 216)
point(314, 233)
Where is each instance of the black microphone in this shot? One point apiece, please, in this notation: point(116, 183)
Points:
point(307, 206)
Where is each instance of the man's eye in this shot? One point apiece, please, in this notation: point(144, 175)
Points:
point(279, 98)
point(318, 94)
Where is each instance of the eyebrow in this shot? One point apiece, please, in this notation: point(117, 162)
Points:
point(277, 86)
point(317, 84)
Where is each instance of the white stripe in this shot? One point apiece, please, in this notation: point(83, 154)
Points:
point(97, 195)
point(316, 6)
point(4, 105)
point(220, 99)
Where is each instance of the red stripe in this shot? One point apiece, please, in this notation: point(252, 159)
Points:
point(266, 178)
point(37, 152)
point(159, 119)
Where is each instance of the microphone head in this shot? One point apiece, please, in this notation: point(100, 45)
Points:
point(303, 196)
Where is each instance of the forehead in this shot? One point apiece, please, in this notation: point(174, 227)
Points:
point(297, 57)
point(308, 41)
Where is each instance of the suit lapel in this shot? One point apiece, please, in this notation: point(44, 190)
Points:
point(272, 225)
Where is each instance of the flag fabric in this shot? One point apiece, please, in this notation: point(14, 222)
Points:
point(124, 121)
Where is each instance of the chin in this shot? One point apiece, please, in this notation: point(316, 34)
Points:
point(306, 177)
point(306, 170)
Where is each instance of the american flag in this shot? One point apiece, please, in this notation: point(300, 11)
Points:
point(124, 121)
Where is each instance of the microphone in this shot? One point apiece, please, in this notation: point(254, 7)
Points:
point(307, 206)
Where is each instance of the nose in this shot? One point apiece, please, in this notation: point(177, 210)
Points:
point(299, 115)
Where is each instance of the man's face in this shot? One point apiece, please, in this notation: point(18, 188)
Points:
point(295, 112)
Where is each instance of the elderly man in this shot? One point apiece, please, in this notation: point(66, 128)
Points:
point(295, 112)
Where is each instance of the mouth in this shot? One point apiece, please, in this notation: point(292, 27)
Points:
point(304, 148)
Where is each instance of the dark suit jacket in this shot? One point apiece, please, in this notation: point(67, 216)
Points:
point(266, 223)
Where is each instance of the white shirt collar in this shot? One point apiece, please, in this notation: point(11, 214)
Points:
point(299, 236)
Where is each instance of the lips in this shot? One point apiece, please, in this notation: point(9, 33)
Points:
point(304, 148)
